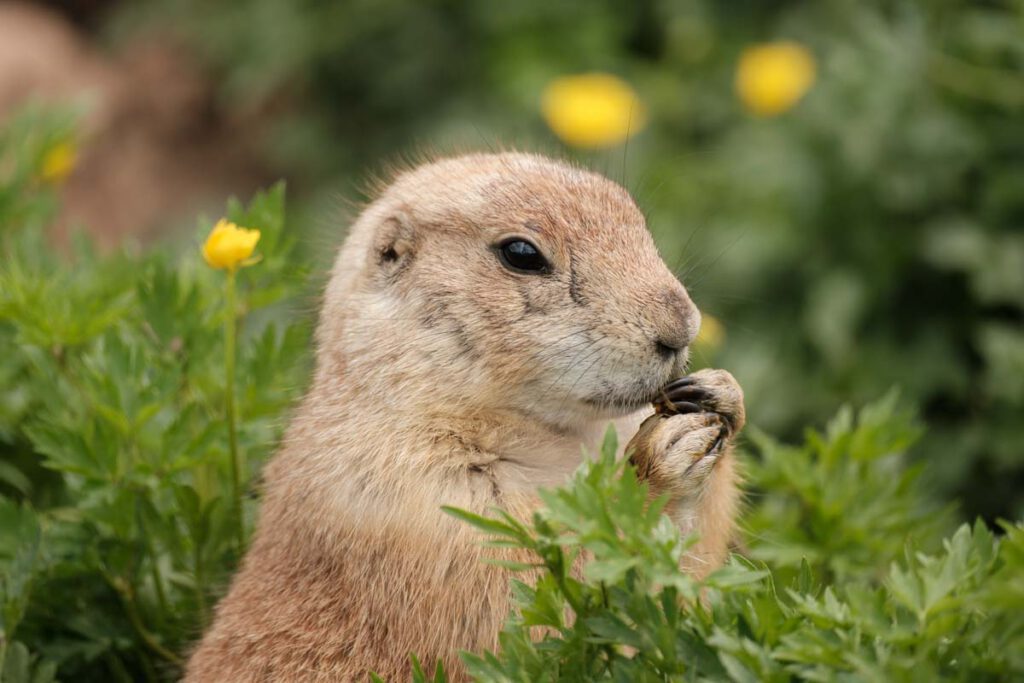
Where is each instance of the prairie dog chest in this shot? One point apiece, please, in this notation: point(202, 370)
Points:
point(528, 461)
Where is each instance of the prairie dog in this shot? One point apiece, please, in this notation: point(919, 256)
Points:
point(486, 316)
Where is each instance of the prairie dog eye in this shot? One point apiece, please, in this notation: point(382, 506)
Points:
point(521, 256)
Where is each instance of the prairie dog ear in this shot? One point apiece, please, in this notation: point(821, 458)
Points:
point(393, 246)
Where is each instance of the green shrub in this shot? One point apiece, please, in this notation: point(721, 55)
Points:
point(953, 613)
point(119, 522)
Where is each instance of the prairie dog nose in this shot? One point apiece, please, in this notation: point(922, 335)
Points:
point(676, 320)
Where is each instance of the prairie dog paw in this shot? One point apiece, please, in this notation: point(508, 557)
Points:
point(715, 391)
point(677, 453)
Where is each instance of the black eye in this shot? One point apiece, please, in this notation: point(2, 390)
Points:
point(522, 257)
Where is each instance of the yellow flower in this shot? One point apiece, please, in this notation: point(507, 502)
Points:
point(772, 77)
point(58, 162)
point(712, 333)
point(229, 246)
point(592, 110)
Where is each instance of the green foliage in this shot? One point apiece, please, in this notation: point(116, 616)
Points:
point(870, 237)
point(860, 612)
point(118, 532)
point(845, 501)
point(867, 238)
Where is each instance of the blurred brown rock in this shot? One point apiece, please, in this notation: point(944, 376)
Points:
point(154, 149)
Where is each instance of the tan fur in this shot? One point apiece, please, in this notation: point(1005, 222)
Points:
point(444, 378)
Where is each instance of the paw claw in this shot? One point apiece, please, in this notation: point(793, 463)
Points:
point(684, 407)
point(679, 383)
point(689, 393)
point(714, 391)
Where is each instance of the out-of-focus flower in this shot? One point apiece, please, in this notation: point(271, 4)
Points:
point(592, 110)
point(230, 246)
point(712, 333)
point(58, 162)
point(772, 77)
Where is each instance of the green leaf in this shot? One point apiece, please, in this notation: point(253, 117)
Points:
point(609, 628)
point(16, 664)
point(487, 524)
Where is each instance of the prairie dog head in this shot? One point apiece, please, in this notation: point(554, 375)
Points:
point(505, 282)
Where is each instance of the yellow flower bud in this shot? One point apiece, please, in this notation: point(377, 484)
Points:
point(592, 110)
point(712, 333)
point(772, 77)
point(58, 162)
point(229, 246)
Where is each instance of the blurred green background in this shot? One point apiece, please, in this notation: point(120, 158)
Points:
point(866, 232)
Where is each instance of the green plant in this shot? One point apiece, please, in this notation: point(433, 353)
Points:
point(119, 522)
point(949, 613)
point(846, 501)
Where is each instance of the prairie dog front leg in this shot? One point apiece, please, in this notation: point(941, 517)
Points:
point(685, 451)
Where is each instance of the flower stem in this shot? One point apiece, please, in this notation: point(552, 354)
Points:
point(230, 322)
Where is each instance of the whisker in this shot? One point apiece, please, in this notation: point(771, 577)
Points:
point(721, 253)
point(554, 383)
point(568, 394)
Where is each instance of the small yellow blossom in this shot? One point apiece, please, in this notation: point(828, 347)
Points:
point(58, 162)
point(230, 246)
point(592, 110)
point(772, 77)
point(712, 333)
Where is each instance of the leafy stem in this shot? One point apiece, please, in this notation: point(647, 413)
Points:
point(230, 324)
point(147, 638)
